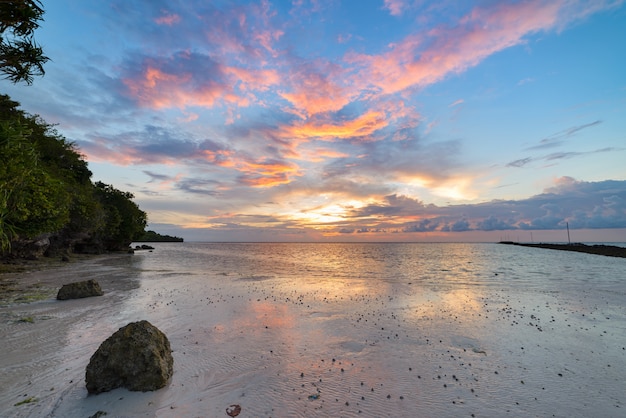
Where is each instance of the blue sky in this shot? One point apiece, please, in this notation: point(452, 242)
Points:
point(391, 120)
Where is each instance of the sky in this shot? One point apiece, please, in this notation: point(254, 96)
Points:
point(330, 120)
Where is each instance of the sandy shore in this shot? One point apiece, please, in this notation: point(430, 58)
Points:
point(42, 346)
point(317, 347)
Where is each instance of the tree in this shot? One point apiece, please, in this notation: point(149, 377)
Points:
point(45, 185)
point(21, 57)
point(31, 200)
point(124, 221)
point(46, 190)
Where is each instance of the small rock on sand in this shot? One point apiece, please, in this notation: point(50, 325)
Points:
point(79, 290)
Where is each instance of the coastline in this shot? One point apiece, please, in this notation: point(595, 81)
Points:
point(597, 249)
point(33, 280)
point(47, 343)
point(472, 333)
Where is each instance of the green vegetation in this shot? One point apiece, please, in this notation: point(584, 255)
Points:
point(27, 319)
point(30, 399)
point(47, 199)
point(151, 236)
point(20, 56)
point(46, 188)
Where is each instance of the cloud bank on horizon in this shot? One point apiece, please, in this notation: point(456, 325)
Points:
point(318, 120)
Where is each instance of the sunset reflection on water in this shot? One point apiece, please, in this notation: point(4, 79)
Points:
point(385, 329)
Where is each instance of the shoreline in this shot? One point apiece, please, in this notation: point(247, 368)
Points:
point(466, 335)
point(597, 249)
point(35, 280)
point(47, 343)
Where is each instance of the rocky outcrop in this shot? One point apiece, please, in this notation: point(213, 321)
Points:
point(144, 247)
point(31, 249)
point(79, 290)
point(136, 357)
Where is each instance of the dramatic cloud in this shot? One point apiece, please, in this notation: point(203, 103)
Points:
point(422, 60)
point(581, 204)
point(358, 120)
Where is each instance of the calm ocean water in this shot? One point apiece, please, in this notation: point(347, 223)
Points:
point(436, 264)
point(341, 330)
point(420, 330)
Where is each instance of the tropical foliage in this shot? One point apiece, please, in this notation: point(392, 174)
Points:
point(21, 57)
point(45, 184)
point(151, 236)
point(46, 188)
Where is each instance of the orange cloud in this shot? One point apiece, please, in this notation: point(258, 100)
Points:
point(362, 126)
point(223, 158)
point(267, 173)
point(256, 173)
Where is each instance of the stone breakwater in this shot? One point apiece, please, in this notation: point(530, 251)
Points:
point(606, 250)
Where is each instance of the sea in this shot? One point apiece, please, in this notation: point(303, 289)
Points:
point(350, 330)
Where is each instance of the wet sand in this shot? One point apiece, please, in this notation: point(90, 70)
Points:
point(343, 348)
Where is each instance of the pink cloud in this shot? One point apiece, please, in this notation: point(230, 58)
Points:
point(395, 7)
point(342, 39)
point(267, 38)
point(102, 150)
point(245, 32)
point(168, 19)
point(420, 61)
point(158, 89)
point(254, 172)
point(253, 80)
point(314, 89)
point(168, 84)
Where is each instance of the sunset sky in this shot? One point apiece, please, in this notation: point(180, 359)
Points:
point(330, 120)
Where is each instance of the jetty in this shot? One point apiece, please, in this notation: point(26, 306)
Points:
point(598, 249)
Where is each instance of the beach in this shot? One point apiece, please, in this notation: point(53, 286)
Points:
point(371, 331)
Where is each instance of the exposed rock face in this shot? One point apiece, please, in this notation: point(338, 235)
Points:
point(31, 249)
point(137, 357)
point(79, 290)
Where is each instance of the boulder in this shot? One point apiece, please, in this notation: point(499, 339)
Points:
point(31, 249)
point(79, 290)
point(136, 357)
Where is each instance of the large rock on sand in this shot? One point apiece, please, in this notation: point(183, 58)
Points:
point(79, 290)
point(137, 357)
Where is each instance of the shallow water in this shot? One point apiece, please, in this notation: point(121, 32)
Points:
point(300, 330)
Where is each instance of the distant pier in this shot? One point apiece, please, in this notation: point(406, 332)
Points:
point(599, 249)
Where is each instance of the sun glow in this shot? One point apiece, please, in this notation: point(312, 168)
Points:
point(326, 215)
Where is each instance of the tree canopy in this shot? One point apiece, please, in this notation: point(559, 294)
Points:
point(21, 57)
point(45, 184)
point(46, 188)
